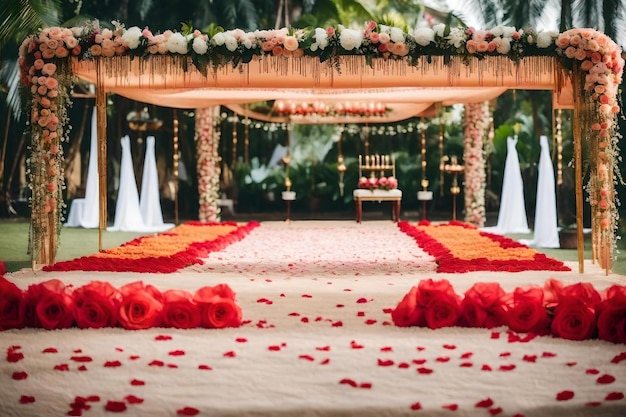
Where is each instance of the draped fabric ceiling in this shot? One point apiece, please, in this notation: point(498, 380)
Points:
point(406, 91)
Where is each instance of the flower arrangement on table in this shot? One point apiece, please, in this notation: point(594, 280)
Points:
point(134, 306)
point(380, 183)
point(576, 311)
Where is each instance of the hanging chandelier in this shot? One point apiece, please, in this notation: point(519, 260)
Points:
point(322, 109)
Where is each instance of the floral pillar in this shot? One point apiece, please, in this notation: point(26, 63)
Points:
point(476, 115)
point(207, 141)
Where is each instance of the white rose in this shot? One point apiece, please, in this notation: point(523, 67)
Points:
point(199, 45)
point(544, 39)
point(456, 37)
point(383, 29)
point(218, 39)
point(350, 39)
point(230, 42)
point(321, 39)
point(131, 37)
point(424, 36)
point(177, 43)
point(504, 47)
point(508, 31)
point(497, 31)
point(439, 29)
point(396, 35)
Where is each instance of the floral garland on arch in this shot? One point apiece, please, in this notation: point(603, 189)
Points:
point(590, 54)
point(474, 161)
point(207, 143)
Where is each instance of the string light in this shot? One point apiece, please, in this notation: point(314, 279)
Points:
point(321, 109)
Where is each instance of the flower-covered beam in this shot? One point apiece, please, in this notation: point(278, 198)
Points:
point(335, 57)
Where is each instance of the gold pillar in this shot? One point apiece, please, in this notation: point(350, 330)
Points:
point(175, 164)
point(578, 110)
point(101, 117)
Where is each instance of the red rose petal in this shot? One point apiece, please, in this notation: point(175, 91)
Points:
point(419, 361)
point(355, 345)
point(495, 335)
point(404, 365)
point(172, 365)
point(383, 362)
point(451, 407)
point(74, 412)
point(119, 349)
point(424, 371)
point(530, 358)
point(273, 347)
point(241, 340)
point(50, 350)
point(325, 361)
point(386, 349)
point(131, 399)
point(82, 368)
point(505, 354)
point(592, 371)
point(307, 296)
point(369, 322)
point(78, 351)
point(449, 347)
point(230, 354)
point(205, 367)
point(115, 406)
point(13, 357)
point(606, 379)
point(137, 382)
point(570, 364)
point(466, 364)
point(548, 355)
point(163, 337)
point(112, 364)
point(188, 411)
point(307, 357)
point(619, 357)
point(416, 406)
point(156, 362)
point(340, 305)
point(593, 404)
point(27, 399)
point(443, 359)
point(565, 395)
point(361, 300)
point(62, 367)
point(348, 381)
point(134, 357)
point(93, 398)
point(509, 367)
point(177, 353)
point(360, 314)
point(81, 358)
point(495, 411)
point(265, 300)
point(420, 348)
point(366, 385)
point(486, 403)
point(338, 324)
point(467, 355)
point(614, 396)
point(323, 348)
point(19, 376)
point(486, 368)
point(387, 310)
point(304, 319)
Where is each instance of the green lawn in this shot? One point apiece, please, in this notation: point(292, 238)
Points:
point(77, 242)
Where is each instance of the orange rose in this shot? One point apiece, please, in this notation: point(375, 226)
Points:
point(220, 313)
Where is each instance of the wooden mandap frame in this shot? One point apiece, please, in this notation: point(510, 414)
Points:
point(582, 67)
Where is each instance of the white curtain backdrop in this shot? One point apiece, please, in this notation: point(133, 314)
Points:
point(546, 233)
point(512, 214)
point(84, 212)
point(149, 201)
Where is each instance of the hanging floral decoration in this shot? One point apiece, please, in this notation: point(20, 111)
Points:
point(586, 52)
point(475, 125)
point(207, 144)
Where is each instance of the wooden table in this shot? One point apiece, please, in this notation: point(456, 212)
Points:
point(360, 195)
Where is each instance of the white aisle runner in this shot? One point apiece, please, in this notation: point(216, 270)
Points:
point(316, 341)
